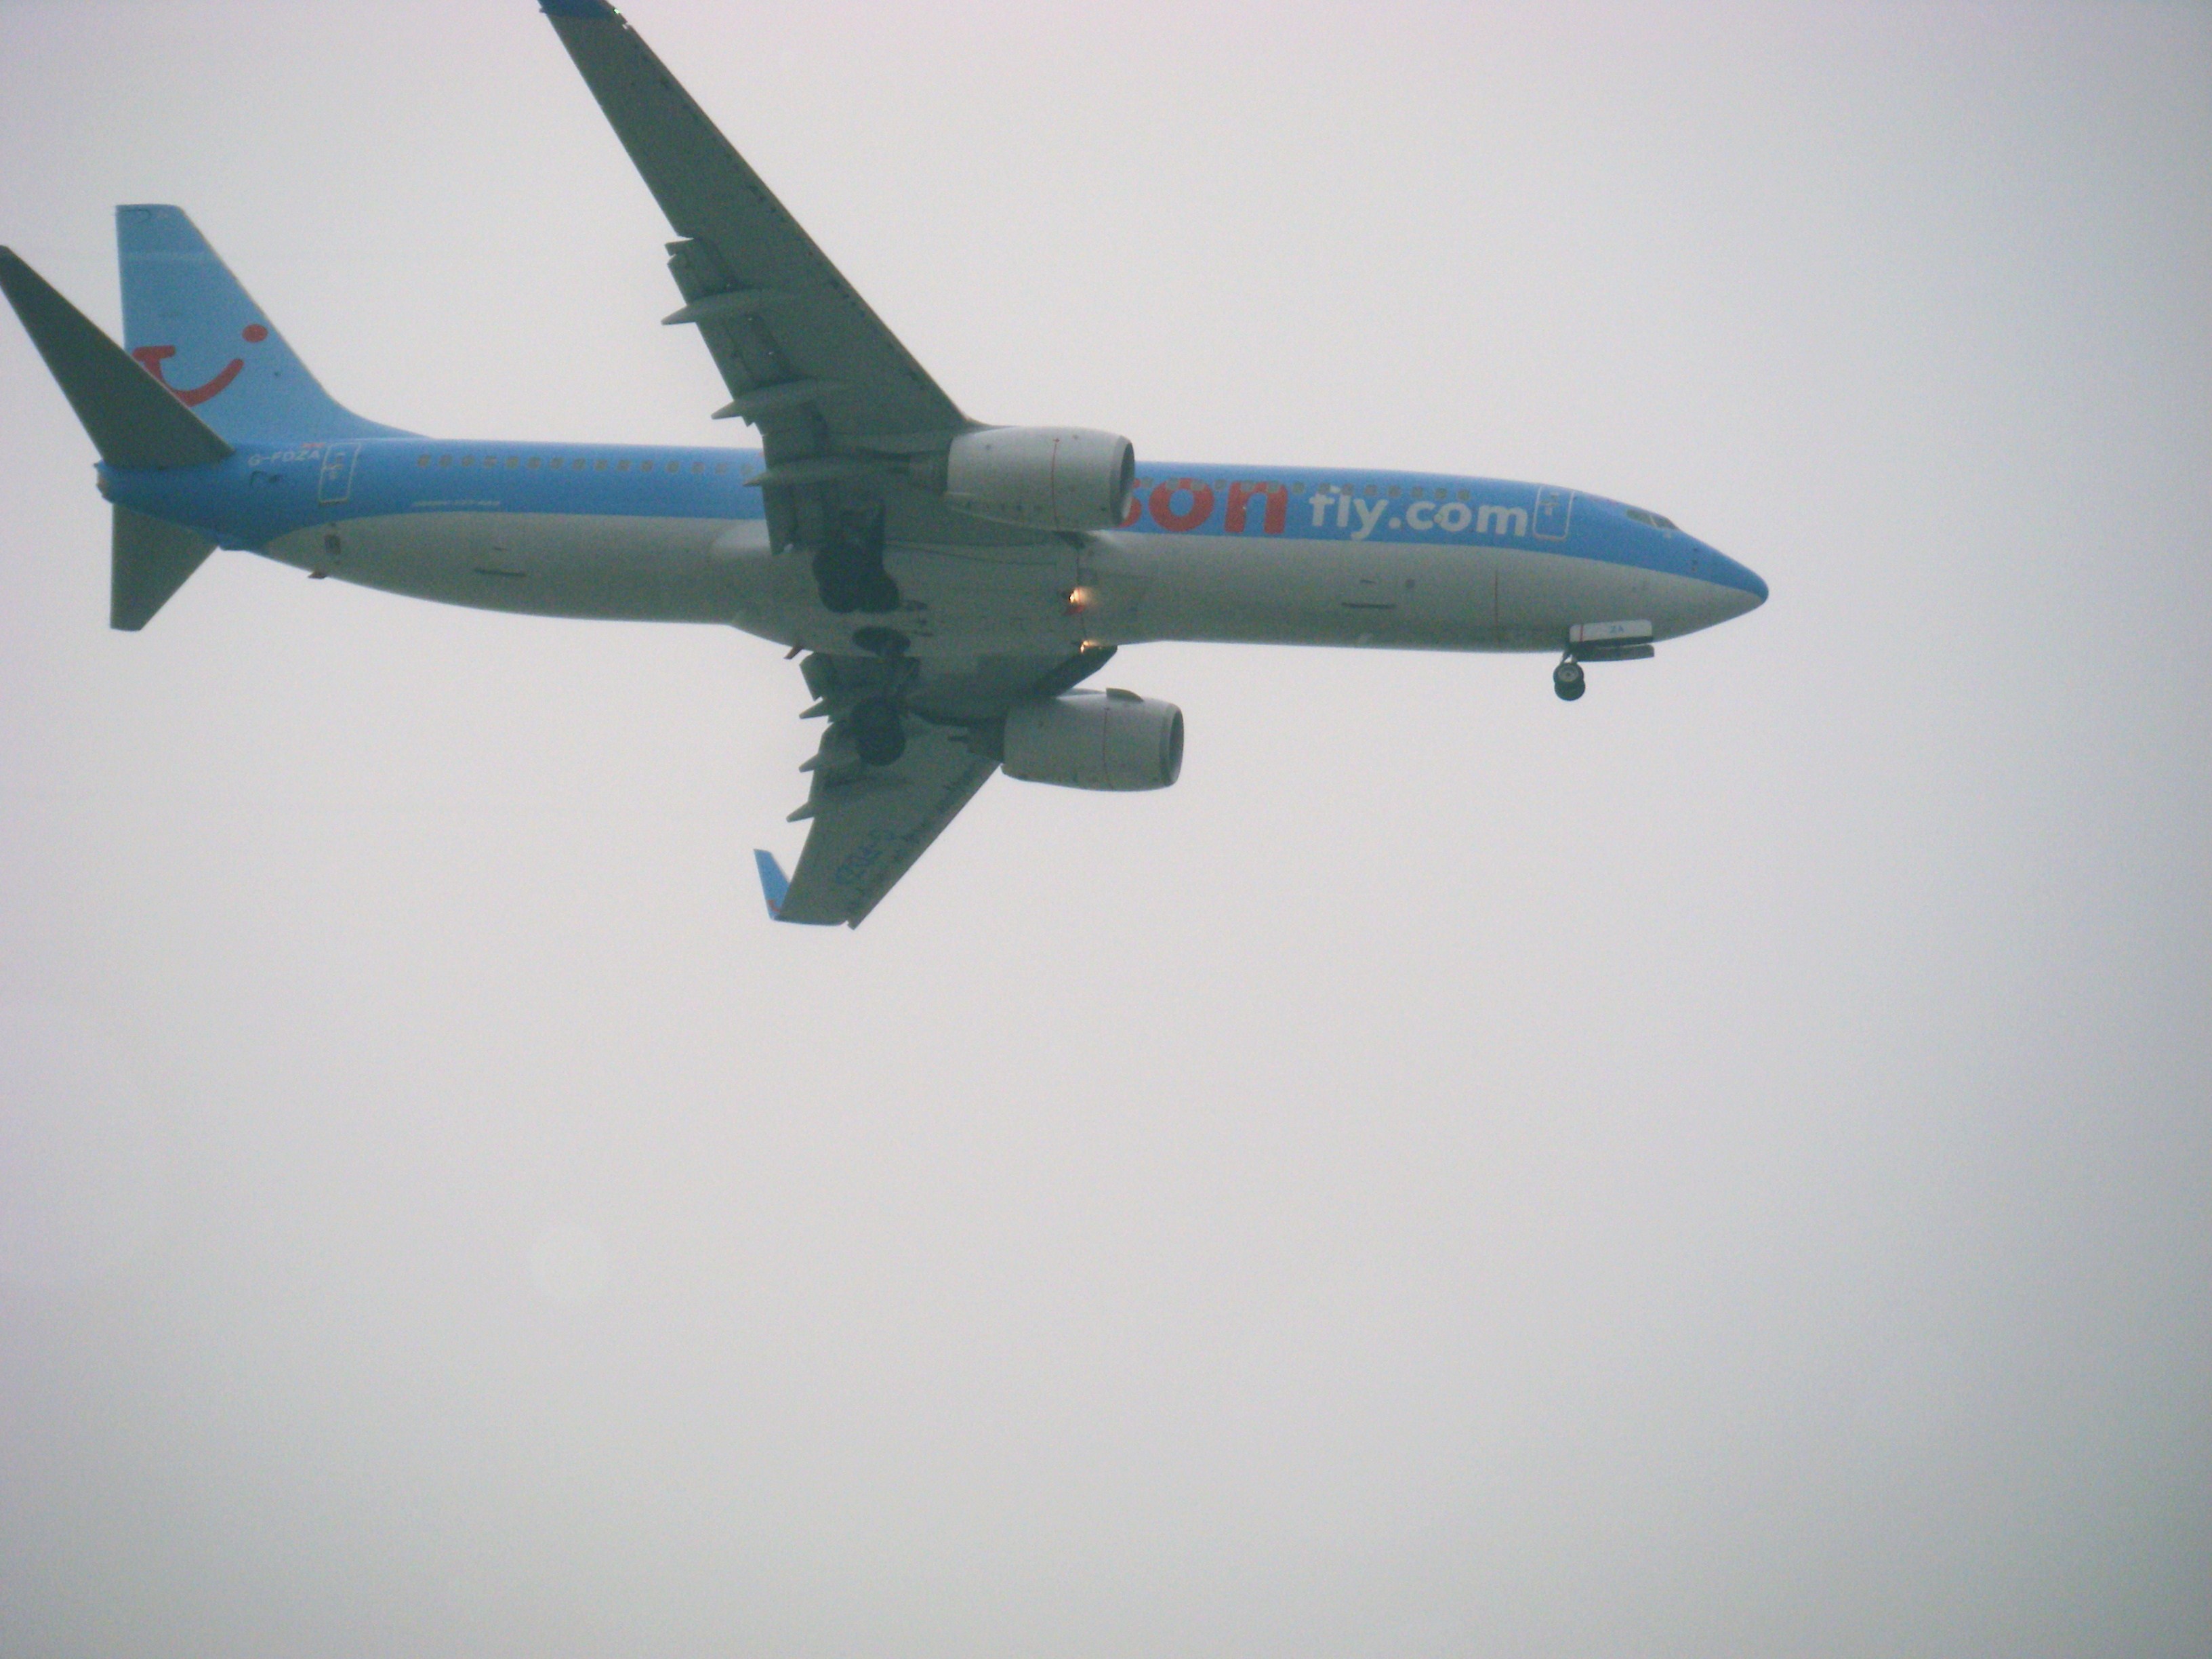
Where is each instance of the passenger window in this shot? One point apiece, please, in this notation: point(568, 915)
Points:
point(468, 460)
point(444, 460)
point(622, 466)
point(675, 465)
point(422, 461)
point(721, 466)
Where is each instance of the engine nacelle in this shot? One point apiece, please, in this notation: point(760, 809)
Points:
point(1045, 477)
point(1096, 740)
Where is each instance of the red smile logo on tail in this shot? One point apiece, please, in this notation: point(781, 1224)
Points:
point(152, 357)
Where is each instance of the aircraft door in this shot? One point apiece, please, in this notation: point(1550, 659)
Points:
point(335, 483)
point(1555, 508)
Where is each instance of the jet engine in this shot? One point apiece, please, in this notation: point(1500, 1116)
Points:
point(1095, 740)
point(1045, 477)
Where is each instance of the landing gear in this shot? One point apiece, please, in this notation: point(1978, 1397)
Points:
point(849, 573)
point(877, 731)
point(1567, 680)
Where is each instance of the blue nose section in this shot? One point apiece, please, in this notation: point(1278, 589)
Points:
point(1728, 573)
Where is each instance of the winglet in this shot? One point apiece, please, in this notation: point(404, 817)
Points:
point(774, 882)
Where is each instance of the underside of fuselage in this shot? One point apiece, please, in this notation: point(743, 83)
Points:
point(1054, 595)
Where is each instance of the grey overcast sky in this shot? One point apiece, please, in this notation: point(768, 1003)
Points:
point(1724, 1168)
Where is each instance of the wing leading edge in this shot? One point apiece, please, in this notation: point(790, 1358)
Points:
point(805, 357)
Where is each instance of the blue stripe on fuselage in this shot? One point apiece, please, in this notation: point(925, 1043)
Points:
point(1421, 508)
point(257, 495)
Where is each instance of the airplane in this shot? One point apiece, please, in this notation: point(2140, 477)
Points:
point(951, 585)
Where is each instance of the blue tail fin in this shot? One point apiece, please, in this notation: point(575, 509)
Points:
point(187, 320)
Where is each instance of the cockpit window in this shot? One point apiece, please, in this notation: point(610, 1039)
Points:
point(1655, 520)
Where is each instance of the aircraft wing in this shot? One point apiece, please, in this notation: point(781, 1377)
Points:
point(805, 359)
point(871, 823)
point(868, 823)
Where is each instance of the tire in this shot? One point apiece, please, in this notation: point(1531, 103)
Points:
point(879, 595)
point(840, 589)
point(1567, 679)
point(878, 732)
point(849, 576)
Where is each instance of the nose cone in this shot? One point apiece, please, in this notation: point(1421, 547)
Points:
point(1746, 590)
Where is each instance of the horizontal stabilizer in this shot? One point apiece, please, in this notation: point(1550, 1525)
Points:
point(151, 560)
point(132, 419)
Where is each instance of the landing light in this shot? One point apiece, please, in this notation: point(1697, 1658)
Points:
point(1079, 600)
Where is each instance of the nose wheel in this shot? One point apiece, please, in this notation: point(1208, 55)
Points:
point(1567, 680)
